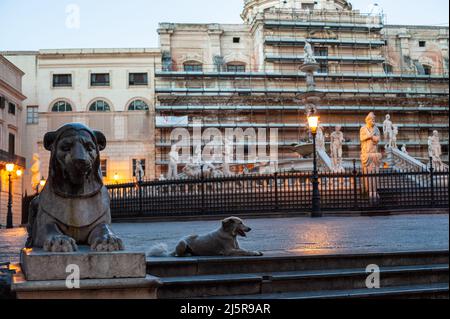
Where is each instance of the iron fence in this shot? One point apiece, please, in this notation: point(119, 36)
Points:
point(281, 192)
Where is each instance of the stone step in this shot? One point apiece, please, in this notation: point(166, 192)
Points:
point(297, 281)
point(192, 266)
point(430, 291)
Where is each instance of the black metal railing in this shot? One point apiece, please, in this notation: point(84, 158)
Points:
point(281, 192)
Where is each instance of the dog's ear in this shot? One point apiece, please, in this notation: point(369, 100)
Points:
point(49, 139)
point(227, 224)
point(101, 140)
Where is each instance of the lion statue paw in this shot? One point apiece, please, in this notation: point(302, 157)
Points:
point(107, 243)
point(60, 244)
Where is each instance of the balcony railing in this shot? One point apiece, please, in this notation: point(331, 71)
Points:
point(281, 41)
point(343, 59)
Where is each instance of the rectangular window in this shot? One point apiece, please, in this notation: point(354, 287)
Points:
point(32, 115)
point(193, 68)
point(323, 68)
point(422, 44)
point(236, 68)
point(11, 108)
point(2, 102)
point(104, 167)
point(12, 144)
point(135, 172)
point(100, 79)
point(320, 51)
point(236, 40)
point(138, 79)
point(62, 80)
point(307, 6)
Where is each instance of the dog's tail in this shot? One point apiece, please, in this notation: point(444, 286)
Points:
point(160, 250)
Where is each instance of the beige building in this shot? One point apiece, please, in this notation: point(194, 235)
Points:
point(108, 89)
point(11, 136)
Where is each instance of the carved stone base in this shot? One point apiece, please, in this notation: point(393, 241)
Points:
point(98, 275)
point(38, 265)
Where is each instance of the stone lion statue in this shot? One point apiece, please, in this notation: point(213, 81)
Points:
point(73, 208)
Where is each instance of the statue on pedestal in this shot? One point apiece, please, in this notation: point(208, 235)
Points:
point(36, 172)
point(393, 137)
point(74, 206)
point(370, 156)
point(309, 54)
point(404, 150)
point(387, 127)
point(174, 158)
point(139, 171)
point(435, 150)
point(337, 140)
point(320, 139)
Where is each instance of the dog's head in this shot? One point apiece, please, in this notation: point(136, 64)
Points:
point(235, 226)
point(75, 159)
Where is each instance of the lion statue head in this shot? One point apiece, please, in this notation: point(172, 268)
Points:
point(75, 160)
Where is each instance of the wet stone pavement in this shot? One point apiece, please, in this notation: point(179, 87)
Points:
point(277, 235)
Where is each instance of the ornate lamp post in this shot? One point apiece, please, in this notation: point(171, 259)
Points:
point(313, 122)
point(9, 216)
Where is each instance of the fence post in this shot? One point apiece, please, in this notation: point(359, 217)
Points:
point(141, 209)
point(275, 175)
point(355, 185)
point(202, 184)
point(432, 181)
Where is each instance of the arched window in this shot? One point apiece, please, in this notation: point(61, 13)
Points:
point(388, 69)
point(138, 105)
point(62, 106)
point(427, 69)
point(193, 66)
point(236, 67)
point(99, 106)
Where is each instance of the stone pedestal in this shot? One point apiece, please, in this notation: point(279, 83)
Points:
point(43, 275)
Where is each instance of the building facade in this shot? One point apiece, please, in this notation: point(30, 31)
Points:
point(242, 76)
point(11, 137)
point(248, 76)
point(110, 90)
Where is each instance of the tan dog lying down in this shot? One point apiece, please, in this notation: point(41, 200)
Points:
point(222, 242)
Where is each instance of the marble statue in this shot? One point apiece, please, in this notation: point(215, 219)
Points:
point(370, 156)
point(73, 208)
point(435, 150)
point(139, 170)
point(309, 54)
point(337, 140)
point(320, 139)
point(174, 158)
point(387, 127)
point(36, 172)
point(404, 150)
point(393, 137)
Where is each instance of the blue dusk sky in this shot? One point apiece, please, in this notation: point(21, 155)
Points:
point(42, 24)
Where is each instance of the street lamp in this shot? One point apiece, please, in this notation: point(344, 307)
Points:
point(313, 122)
point(9, 216)
point(116, 178)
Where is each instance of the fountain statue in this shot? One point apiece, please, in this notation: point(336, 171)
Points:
point(337, 140)
point(370, 156)
point(435, 150)
point(174, 158)
point(36, 172)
